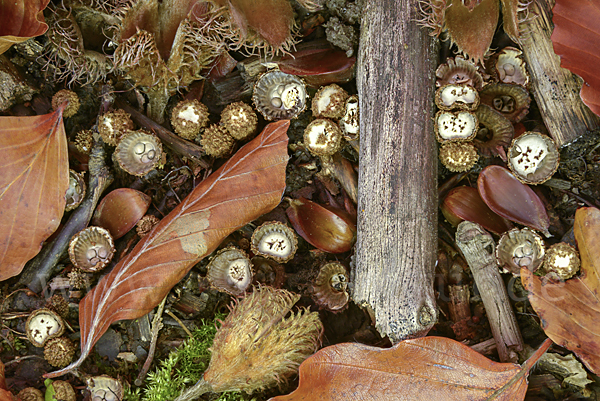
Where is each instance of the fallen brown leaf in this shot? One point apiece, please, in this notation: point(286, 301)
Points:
point(570, 310)
point(35, 177)
point(5, 395)
point(576, 39)
point(21, 20)
point(250, 184)
point(427, 368)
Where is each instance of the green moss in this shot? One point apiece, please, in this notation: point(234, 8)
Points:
point(182, 368)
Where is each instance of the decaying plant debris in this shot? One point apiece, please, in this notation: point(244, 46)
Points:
point(243, 188)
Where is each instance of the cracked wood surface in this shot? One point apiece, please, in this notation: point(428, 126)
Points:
point(397, 204)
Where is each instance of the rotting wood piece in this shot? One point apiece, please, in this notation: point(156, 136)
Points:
point(397, 205)
point(477, 246)
point(555, 89)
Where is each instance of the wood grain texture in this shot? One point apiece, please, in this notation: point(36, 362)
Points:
point(555, 89)
point(397, 204)
point(477, 246)
point(248, 185)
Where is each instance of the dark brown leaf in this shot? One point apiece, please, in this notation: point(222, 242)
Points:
point(570, 310)
point(576, 39)
point(21, 20)
point(427, 368)
point(34, 180)
point(250, 184)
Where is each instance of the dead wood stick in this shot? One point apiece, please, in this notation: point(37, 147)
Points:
point(555, 89)
point(477, 246)
point(397, 190)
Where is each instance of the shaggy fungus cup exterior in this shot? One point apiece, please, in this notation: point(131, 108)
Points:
point(533, 158)
point(216, 141)
point(458, 156)
point(113, 125)
point(561, 261)
point(43, 325)
point(278, 95)
point(274, 240)
point(240, 120)
point(91, 249)
point(330, 288)
point(66, 95)
point(329, 102)
point(230, 270)
point(59, 351)
point(188, 118)
point(138, 152)
point(461, 97)
point(520, 248)
point(76, 191)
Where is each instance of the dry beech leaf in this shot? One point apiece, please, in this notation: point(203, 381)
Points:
point(250, 184)
point(570, 310)
point(427, 368)
point(5, 395)
point(576, 39)
point(35, 177)
point(21, 20)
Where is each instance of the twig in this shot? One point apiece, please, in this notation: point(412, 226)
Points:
point(168, 312)
point(40, 269)
point(156, 326)
point(477, 246)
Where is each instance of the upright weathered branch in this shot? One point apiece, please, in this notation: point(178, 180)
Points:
point(397, 218)
point(555, 89)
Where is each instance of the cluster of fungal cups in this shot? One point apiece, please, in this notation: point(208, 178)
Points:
point(136, 152)
point(477, 111)
point(190, 120)
point(524, 248)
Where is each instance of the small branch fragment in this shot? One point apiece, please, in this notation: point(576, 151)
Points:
point(156, 326)
point(477, 246)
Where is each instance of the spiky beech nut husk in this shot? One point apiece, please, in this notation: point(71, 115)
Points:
point(216, 141)
point(329, 102)
point(58, 304)
point(465, 203)
point(274, 240)
point(460, 72)
point(120, 210)
point(455, 126)
point(230, 270)
point(458, 156)
point(330, 288)
point(350, 122)
point(561, 261)
point(511, 100)
point(239, 119)
point(520, 248)
point(59, 351)
point(457, 97)
point(91, 249)
point(72, 102)
point(322, 137)
point(533, 158)
point(509, 67)
point(146, 224)
point(42, 325)
point(329, 229)
point(84, 140)
point(113, 125)
point(30, 394)
point(189, 117)
point(104, 388)
point(495, 133)
point(268, 272)
point(278, 95)
point(76, 191)
point(260, 344)
point(511, 199)
point(138, 152)
point(60, 390)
